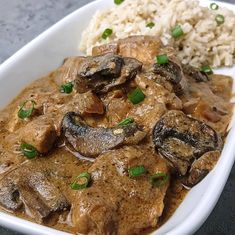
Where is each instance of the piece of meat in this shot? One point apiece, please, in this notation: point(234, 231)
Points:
point(28, 188)
point(111, 47)
point(117, 108)
point(39, 133)
point(208, 102)
point(157, 101)
point(132, 204)
point(182, 139)
point(91, 142)
point(142, 48)
point(85, 104)
point(221, 86)
point(102, 73)
point(68, 72)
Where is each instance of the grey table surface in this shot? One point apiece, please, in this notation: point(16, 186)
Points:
point(23, 20)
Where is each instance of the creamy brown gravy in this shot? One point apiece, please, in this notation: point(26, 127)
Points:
point(64, 165)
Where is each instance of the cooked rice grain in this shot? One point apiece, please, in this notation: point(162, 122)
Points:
point(204, 42)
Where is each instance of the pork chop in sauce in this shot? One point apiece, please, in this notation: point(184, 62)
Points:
point(100, 145)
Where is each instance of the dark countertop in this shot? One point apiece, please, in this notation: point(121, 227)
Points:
point(21, 21)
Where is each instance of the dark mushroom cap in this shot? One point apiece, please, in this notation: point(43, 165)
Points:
point(102, 73)
point(171, 72)
point(90, 141)
point(182, 139)
point(194, 73)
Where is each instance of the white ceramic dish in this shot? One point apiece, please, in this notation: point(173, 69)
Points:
point(46, 53)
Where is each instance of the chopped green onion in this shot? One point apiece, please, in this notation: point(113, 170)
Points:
point(162, 59)
point(118, 2)
point(85, 179)
point(219, 19)
point(66, 88)
point(214, 6)
point(159, 179)
point(25, 113)
point(136, 171)
point(28, 150)
point(150, 25)
point(136, 96)
point(177, 32)
point(126, 122)
point(107, 33)
point(206, 69)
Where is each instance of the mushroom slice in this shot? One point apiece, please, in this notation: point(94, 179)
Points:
point(183, 140)
point(28, 188)
point(9, 196)
point(197, 75)
point(104, 65)
point(101, 73)
point(172, 73)
point(90, 142)
point(201, 167)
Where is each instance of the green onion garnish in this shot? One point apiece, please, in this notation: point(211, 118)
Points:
point(214, 6)
point(84, 179)
point(107, 33)
point(66, 88)
point(136, 96)
point(136, 171)
point(206, 69)
point(150, 25)
point(126, 122)
point(159, 179)
point(118, 2)
point(162, 59)
point(25, 113)
point(177, 32)
point(28, 150)
point(219, 19)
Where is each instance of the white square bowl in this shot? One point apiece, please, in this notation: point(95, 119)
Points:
point(46, 53)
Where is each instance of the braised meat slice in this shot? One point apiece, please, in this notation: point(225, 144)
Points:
point(28, 188)
point(91, 142)
point(142, 48)
point(182, 140)
point(115, 198)
point(68, 72)
point(101, 73)
point(85, 104)
point(209, 101)
point(40, 133)
point(157, 101)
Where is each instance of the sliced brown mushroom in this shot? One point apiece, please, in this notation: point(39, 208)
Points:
point(172, 73)
point(101, 73)
point(103, 65)
point(201, 167)
point(183, 140)
point(194, 73)
point(90, 142)
point(29, 189)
